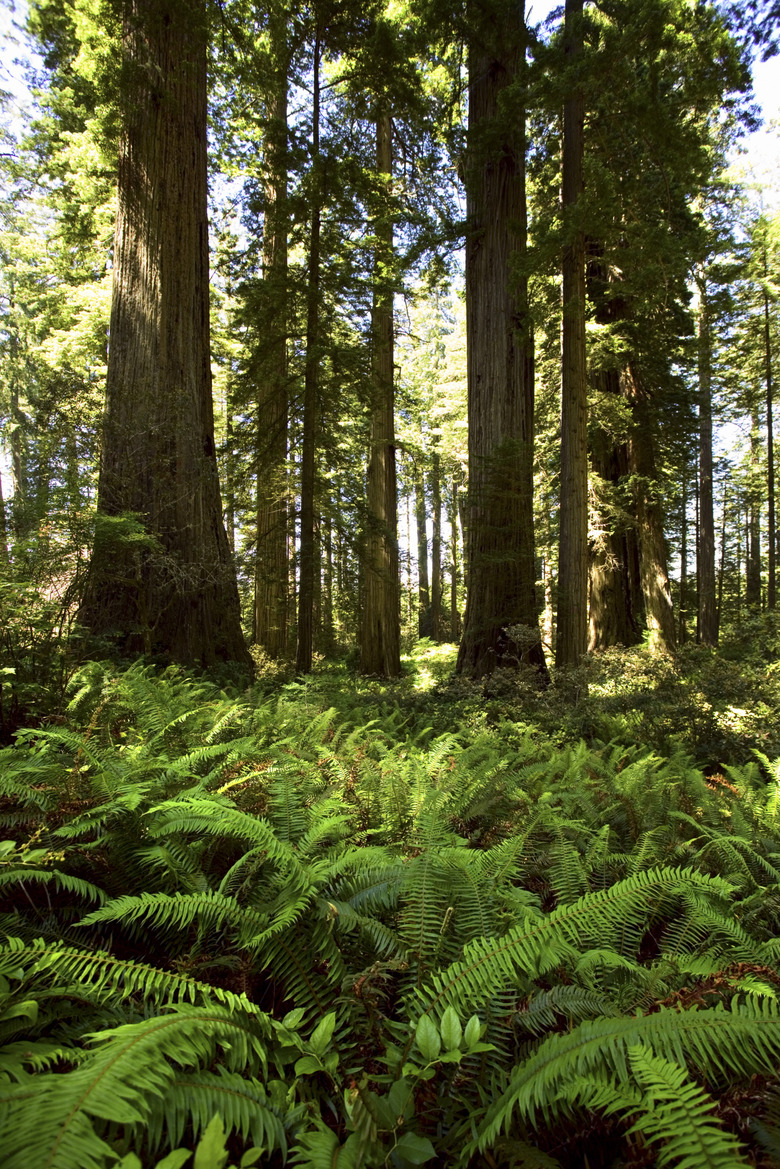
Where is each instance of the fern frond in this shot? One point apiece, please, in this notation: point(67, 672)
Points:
point(536, 946)
point(50, 1121)
point(735, 1041)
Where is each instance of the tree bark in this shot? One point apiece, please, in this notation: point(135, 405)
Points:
point(682, 627)
point(571, 641)
point(4, 552)
point(616, 610)
point(310, 390)
point(380, 648)
point(501, 622)
point(753, 567)
point(173, 590)
point(455, 630)
point(272, 563)
point(705, 568)
point(659, 614)
point(771, 587)
point(423, 584)
point(436, 583)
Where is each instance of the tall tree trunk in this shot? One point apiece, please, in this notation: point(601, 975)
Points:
point(753, 568)
point(230, 488)
point(18, 436)
point(311, 384)
point(328, 623)
point(380, 648)
point(272, 562)
point(4, 551)
point(722, 568)
point(659, 614)
point(501, 622)
point(616, 611)
point(409, 590)
point(436, 589)
point(682, 628)
point(573, 549)
point(705, 569)
point(454, 558)
point(771, 588)
point(174, 592)
point(423, 586)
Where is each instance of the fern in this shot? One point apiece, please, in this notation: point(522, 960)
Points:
point(720, 1043)
point(56, 1120)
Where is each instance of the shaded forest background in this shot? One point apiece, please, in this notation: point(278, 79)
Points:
point(344, 182)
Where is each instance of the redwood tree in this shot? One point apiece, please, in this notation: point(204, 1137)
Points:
point(500, 530)
point(160, 578)
point(271, 566)
point(572, 638)
point(380, 645)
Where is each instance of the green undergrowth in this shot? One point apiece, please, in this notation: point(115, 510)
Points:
point(342, 922)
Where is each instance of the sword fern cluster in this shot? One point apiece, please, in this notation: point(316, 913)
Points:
point(295, 931)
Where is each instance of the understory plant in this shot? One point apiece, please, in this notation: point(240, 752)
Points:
point(287, 928)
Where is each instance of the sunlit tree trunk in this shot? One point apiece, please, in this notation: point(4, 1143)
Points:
point(380, 648)
point(423, 584)
point(436, 583)
point(659, 614)
point(173, 593)
point(771, 588)
point(705, 564)
point(682, 624)
point(572, 635)
point(454, 557)
point(328, 623)
point(311, 383)
point(501, 620)
point(753, 567)
point(616, 611)
point(271, 564)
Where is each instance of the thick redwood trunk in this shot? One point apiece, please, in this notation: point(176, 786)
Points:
point(616, 614)
point(311, 382)
point(380, 643)
point(172, 592)
point(659, 614)
point(501, 621)
point(272, 565)
point(572, 637)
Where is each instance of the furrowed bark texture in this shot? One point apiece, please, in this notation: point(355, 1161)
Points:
point(616, 615)
point(380, 648)
point(659, 614)
point(499, 532)
point(572, 633)
point(271, 570)
point(305, 647)
point(173, 592)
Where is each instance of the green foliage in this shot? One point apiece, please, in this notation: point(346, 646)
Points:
point(299, 928)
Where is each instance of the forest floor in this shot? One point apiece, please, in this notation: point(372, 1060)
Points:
point(343, 921)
